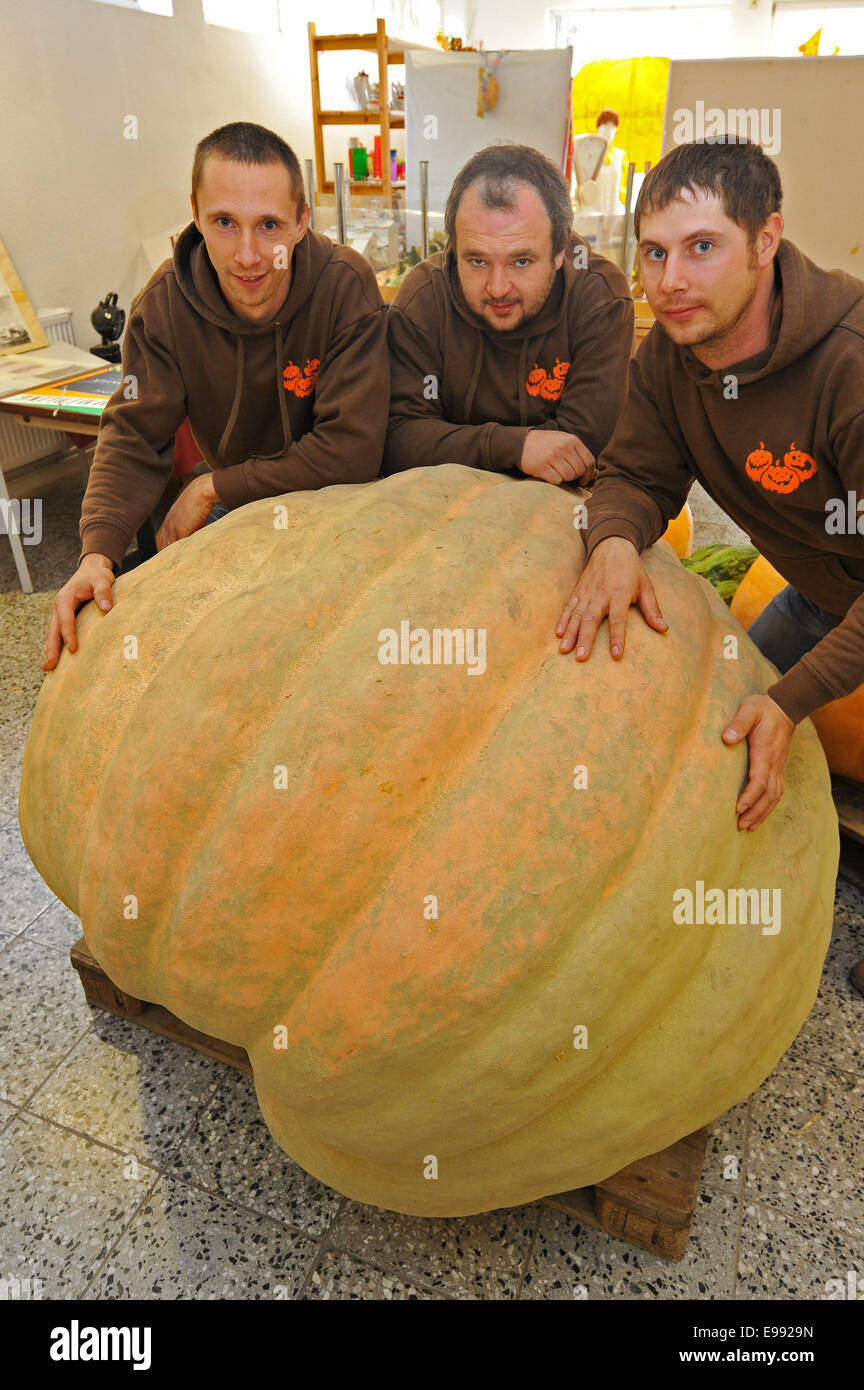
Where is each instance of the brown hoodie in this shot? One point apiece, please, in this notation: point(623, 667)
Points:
point(773, 440)
point(284, 406)
point(564, 369)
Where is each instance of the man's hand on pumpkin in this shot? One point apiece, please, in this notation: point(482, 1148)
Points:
point(613, 579)
point(92, 579)
point(556, 457)
point(768, 731)
point(190, 512)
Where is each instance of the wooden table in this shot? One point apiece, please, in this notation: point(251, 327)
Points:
point(74, 422)
point(45, 420)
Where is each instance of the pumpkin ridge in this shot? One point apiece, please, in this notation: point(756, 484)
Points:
point(470, 751)
point(663, 792)
point(519, 993)
point(87, 618)
point(208, 826)
point(676, 1121)
point(123, 728)
point(734, 1090)
point(211, 822)
point(118, 746)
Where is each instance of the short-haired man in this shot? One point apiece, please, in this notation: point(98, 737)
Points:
point(509, 349)
point(752, 381)
point(266, 335)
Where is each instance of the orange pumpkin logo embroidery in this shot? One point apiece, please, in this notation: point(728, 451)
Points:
point(774, 476)
point(549, 385)
point(301, 385)
point(758, 461)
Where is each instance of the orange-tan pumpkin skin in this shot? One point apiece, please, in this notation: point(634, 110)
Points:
point(840, 725)
point(430, 909)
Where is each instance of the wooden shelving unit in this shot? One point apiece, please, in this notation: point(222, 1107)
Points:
point(383, 117)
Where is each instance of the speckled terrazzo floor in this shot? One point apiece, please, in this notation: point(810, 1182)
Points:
point(132, 1168)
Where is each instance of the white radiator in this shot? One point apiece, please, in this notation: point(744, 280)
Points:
point(58, 325)
point(18, 444)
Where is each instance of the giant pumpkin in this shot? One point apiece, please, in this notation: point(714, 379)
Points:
point(840, 725)
point(439, 905)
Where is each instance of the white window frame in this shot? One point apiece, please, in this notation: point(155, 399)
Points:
point(165, 10)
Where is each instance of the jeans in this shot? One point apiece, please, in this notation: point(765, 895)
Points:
point(790, 626)
point(217, 511)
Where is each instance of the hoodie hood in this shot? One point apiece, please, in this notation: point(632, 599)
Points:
point(517, 340)
point(778, 453)
point(293, 405)
point(199, 282)
point(815, 301)
point(564, 370)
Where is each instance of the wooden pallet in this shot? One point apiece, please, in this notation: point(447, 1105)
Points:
point(649, 1204)
point(102, 993)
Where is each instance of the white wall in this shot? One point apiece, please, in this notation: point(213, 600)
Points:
point(76, 198)
point(527, 23)
point(823, 201)
point(508, 24)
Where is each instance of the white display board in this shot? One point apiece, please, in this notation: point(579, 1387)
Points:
point(442, 125)
point(810, 117)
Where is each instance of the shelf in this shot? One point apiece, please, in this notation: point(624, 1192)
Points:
point(382, 118)
point(362, 185)
point(397, 118)
point(362, 43)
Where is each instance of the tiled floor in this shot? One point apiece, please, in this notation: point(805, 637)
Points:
point(134, 1168)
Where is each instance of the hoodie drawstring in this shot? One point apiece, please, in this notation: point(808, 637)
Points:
point(281, 392)
point(475, 375)
point(238, 397)
point(235, 404)
point(524, 356)
point(523, 363)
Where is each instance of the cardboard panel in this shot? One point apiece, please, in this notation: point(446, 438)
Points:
point(810, 117)
point(533, 109)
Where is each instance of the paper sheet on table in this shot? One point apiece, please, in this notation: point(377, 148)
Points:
point(19, 374)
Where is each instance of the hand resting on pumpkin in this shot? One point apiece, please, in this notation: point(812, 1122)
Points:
point(190, 512)
point(614, 579)
point(92, 579)
point(768, 730)
point(556, 457)
point(95, 574)
point(611, 581)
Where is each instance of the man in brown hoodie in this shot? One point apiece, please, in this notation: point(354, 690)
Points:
point(752, 381)
point(271, 339)
point(509, 349)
